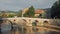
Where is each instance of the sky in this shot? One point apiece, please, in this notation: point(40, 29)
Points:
point(15, 5)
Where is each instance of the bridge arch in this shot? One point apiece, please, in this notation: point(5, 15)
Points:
point(6, 26)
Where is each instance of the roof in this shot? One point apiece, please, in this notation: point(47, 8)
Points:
point(39, 11)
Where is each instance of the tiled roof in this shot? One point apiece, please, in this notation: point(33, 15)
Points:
point(39, 11)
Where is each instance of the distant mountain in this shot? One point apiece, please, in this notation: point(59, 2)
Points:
point(9, 11)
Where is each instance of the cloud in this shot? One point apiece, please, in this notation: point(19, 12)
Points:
point(21, 4)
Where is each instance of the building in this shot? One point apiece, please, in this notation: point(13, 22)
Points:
point(40, 13)
point(25, 10)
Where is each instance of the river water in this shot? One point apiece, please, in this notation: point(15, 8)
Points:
point(22, 29)
point(6, 29)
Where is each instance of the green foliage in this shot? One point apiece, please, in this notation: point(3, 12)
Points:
point(7, 14)
point(19, 13)
point(42, 15)
point(3, 14)
point(11, 15)
point(26, 15)
point(30, 12)
point(55, 10)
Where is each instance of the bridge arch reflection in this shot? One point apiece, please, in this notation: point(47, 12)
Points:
point(24, 25)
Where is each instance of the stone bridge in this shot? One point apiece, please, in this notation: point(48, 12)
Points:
point(43, 25)
point(29, 21)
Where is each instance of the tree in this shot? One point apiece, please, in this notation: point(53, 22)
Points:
point(30, 12)
point(11, 15)
point(40, 16)
point(4, 14)
point(19, 13)
point(43, 15)
point(55, 10)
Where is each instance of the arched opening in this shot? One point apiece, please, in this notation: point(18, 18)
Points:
point(5, 26)
point(34, 23)
point(8, 26)
point(46, 22)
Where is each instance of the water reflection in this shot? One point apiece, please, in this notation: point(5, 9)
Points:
point(13, 28)
point(25, 30)
point(53, 32)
